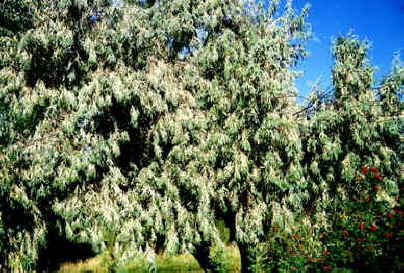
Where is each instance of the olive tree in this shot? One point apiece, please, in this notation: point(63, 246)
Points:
point(110, 121)
point(133, 128)
point(358, 126)
point(189, 149)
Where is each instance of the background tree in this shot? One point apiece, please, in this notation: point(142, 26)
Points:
point(357, 129)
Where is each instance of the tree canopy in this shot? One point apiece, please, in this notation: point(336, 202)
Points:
point(134, 129)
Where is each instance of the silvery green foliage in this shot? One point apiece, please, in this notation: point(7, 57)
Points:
point(358, 127)
point(135, 132)
point(253, 145)
point(104, 137)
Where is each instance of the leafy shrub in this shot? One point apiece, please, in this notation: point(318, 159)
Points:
point(366, 235)
point(367, 232)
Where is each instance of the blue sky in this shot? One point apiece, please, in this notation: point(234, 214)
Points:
point(379, 21)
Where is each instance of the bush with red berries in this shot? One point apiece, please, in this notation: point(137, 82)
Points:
point(367, 233)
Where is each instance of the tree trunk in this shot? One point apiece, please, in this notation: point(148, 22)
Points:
point(202, 255)
point(248, 258)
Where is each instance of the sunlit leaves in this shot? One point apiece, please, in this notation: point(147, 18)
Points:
point(136, 132)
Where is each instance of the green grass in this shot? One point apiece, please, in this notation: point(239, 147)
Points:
point(179, 264)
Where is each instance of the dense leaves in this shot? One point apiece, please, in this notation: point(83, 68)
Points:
point(136, 127)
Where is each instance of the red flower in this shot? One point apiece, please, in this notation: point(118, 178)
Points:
point(373, 228)
point(362, 227)
point(327, 268)
point(367, 199)
point(364, 169)
point(378, 176)
point(390, 215)
point(345, 233)
point(373, 170)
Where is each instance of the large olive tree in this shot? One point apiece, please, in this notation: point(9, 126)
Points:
point(110, 117)
point(133, 128)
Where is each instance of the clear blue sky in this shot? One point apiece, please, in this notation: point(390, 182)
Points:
point(379, 21)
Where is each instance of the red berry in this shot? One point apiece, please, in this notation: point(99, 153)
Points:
point(364, 169)
point(390, 215)
point(367, 199)
point(373, 228)
point(373, 170)
point(378, 176)
point(376, 188)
